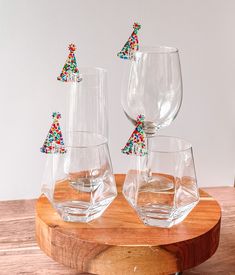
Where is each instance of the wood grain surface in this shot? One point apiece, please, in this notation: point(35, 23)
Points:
point(119, 243)
point(19, 253)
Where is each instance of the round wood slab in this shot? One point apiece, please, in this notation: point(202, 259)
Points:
point(119, 243)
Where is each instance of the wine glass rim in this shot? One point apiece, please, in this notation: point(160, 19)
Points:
point(186, 143)
point(159, 49)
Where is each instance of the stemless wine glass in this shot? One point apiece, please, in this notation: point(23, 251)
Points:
point(80, 183)
point(153, 88)
point(171, 160)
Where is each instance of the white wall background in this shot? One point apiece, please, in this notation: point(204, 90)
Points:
point(34, 36)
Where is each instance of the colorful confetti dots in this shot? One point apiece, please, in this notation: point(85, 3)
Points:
point(54, 141)
point(132, 44)
point(136, 144)
point(70, 72)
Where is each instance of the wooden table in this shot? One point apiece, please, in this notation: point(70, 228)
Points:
point(19, 253)
point(119, 243)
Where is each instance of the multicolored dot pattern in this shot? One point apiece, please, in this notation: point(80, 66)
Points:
point(132, 45)
point(54, 142)
point(136, 144)
point(70, 70)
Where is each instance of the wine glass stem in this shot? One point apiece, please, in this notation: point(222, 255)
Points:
point(148, 170)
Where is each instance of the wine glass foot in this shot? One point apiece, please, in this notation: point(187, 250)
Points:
point(159, 183)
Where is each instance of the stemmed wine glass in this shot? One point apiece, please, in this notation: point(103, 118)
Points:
point(153, 88)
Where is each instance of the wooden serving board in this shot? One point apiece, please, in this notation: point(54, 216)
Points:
point(119, 243)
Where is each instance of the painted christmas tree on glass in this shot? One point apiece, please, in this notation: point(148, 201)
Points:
point(132, 44)
point(70, 71)
point(136, 144)
point(54, 142)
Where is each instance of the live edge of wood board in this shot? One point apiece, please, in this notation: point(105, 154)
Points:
point(119, 243)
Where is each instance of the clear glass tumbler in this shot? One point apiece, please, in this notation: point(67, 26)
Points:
point(80, 184)
point(86, 107)
point(171, 160)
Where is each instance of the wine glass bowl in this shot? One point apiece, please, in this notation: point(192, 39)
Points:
point(153, 87)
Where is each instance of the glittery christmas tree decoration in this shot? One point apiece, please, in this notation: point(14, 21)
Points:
point(136, 144)
point(132, 45)
point(70, 70)
point(54, 141)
